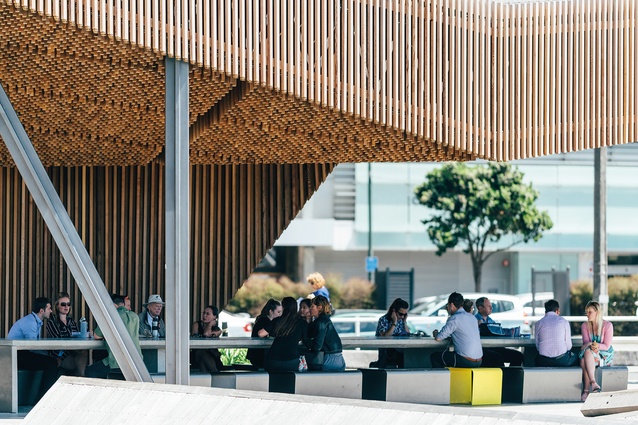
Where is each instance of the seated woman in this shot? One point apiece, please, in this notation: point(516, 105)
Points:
point(393, 323)
point(323, 342)
point(287, 329)
point(597, 350)
point(62, 325)
point(270, 311)
point(304, 309)
point(208, 360)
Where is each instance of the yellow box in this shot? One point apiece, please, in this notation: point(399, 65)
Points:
point(475, 386)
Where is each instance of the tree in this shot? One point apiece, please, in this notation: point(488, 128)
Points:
point(475, 205)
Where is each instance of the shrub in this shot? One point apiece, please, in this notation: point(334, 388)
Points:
point(231, 356)
point(258, 288)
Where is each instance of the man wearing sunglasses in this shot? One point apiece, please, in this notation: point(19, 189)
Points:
point(461, 326)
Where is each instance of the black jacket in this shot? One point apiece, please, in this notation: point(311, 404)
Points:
point(322, 336)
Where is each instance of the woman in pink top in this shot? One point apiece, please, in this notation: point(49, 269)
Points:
point(597, 350)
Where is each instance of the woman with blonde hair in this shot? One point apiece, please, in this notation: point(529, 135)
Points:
point(597, 350)
point(322, 340)
point(318, 284)
point(62, 325)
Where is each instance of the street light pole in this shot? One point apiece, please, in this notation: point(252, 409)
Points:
point(370, 273)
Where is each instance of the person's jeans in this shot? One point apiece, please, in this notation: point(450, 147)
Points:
point(565, 360)
point(333, 363)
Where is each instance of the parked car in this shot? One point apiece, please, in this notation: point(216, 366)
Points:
point(539, 299)
point(356, 322)
point(431, 314)
point(236, 324)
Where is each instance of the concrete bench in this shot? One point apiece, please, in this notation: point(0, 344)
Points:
point(347, 384)
point(556, 384)
point(427, 386)
point(242, 380)
point(475, 386)
point(612, 378)
point(541, 384)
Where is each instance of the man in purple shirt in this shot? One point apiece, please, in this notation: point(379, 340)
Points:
point(554, 339)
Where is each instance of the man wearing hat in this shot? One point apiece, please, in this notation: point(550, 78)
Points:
point(153, 309)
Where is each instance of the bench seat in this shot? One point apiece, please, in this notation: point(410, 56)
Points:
point(475, 386)
point(424, 386)
point(347, 384)
point(241, 380)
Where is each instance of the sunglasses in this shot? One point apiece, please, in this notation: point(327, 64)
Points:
point(65, 304)
point(401, 314)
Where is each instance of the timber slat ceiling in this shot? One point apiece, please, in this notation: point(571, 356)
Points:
point(237, 212)
point(377, 80)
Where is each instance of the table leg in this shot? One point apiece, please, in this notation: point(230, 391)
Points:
point(9, 379)
point(415, 358)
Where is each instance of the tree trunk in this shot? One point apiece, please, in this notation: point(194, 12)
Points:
point(477, 268)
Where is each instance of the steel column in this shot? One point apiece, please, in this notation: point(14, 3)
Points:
point(177, 223)
point(600, 228)
point(68, 241)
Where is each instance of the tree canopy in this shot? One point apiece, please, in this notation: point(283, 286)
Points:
point(474, 205)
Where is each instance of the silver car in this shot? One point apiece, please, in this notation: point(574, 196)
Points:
point(430, 313)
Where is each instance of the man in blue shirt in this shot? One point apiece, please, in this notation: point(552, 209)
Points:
point(495, 357)
point(30, 327)
point(462, 328)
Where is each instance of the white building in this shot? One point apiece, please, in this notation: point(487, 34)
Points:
point(331, 232)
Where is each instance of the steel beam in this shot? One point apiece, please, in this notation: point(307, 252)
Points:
point(68, 241)
point(177, 223)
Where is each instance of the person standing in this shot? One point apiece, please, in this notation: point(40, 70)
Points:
point(62, 325)
point(554, 339)
point(318, 284)
point(101, 369)
point(597, 350)
point(153, 309)
point(461, 326)
point(495, 357)
point(30, 327)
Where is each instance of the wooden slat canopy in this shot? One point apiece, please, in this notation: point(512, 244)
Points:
point(301, 83)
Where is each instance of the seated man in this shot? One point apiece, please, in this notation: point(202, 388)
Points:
point(30, 327)
point(152, 311)
point(495, 357)
point(101, 369)
point(461, 327)
point(393, 323)
point(554, 339)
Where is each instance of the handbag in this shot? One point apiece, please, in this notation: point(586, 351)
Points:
point(491, 329)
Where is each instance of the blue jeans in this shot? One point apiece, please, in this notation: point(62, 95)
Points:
point(333, 363)
point(564, 360)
